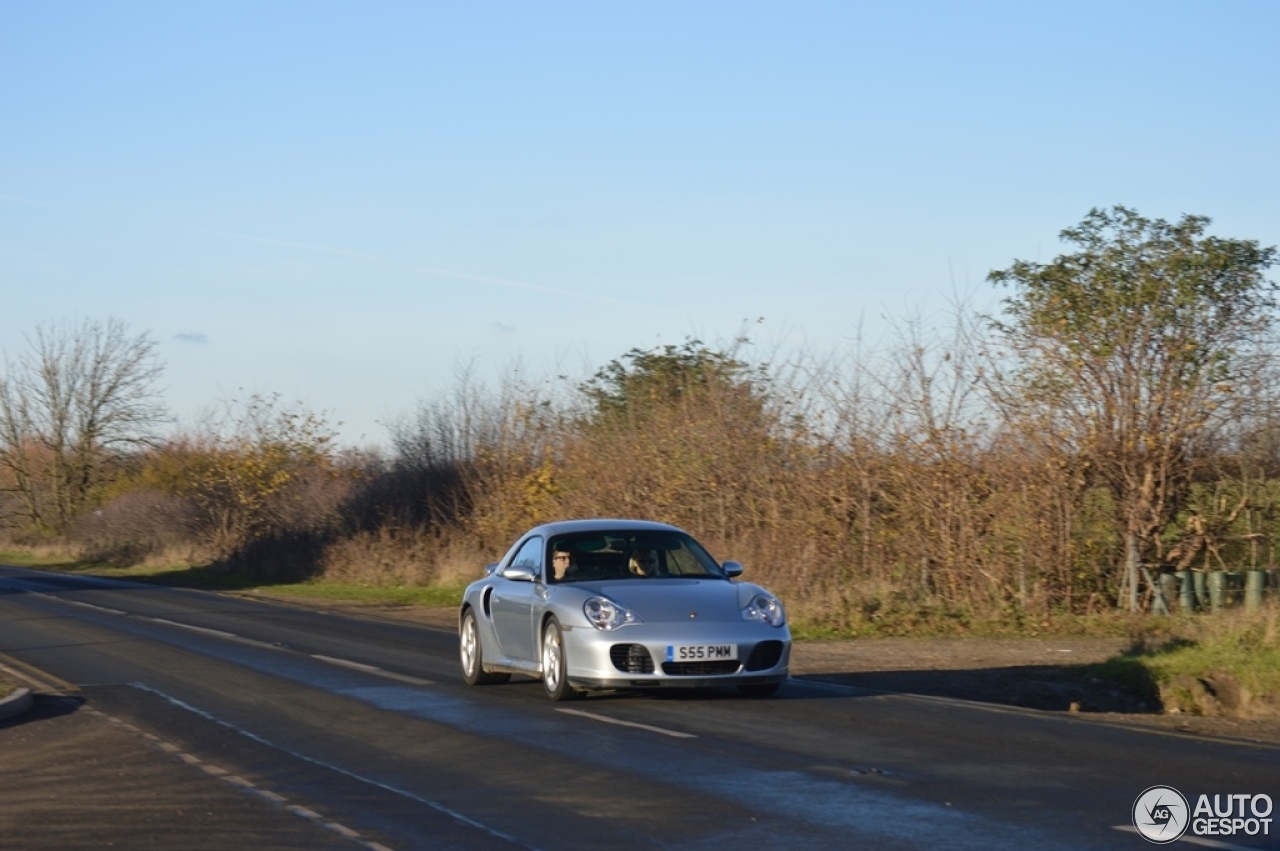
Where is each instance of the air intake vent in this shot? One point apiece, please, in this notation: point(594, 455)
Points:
point(765, 656)
point(631, 658)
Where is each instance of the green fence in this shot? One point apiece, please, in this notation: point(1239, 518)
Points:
point(1214, 590)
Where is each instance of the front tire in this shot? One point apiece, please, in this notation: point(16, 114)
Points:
point(555, 666)
point(471, 654)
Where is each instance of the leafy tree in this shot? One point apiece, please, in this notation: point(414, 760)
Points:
point(1131, 354)
point(81, 395)
point(243, 471)
point(679, 433)
point(643, 380)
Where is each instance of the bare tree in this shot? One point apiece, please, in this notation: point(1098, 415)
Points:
point(76, 399)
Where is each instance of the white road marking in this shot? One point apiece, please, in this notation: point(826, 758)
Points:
point(204, 629)
point(231, 636)
point(438, 807)
point(1192, 840)
point(347, 663)
point(373, 669)
point(857, 691)
point(247, 785)
point(342, 829)
point(81, 604)
point(675, 734)
point(218, 633)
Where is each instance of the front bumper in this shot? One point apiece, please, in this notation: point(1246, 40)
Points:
point(635, 656)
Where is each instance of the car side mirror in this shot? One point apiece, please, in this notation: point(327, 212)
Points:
point(732, 568)
point(520, 573)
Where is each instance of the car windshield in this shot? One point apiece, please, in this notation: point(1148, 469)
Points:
point(629, 554)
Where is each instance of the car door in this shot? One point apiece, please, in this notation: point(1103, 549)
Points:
point(515, 603)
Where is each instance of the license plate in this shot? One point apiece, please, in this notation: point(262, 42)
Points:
point(701, 652)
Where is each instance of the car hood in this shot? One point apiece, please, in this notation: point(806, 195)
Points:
point(656, 600)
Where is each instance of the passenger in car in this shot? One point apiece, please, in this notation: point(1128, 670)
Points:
point(643, 563)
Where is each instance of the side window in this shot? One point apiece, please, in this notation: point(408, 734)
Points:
point(529, 555)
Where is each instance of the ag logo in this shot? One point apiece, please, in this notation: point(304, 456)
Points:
point(1161, 814)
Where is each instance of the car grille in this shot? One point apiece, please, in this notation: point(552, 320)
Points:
point(765, 656)
point(631, 658)
point(700, 669)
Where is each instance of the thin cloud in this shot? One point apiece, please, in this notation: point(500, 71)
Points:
point(192, 337)
point(372, 258)
point(300, 245)
point(28, 201)
point(428, 270)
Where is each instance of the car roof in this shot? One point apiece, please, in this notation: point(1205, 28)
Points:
point(561, 527)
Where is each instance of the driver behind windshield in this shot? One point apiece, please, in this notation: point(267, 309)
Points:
point(561, 562)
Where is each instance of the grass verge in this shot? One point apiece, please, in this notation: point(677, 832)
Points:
point(448, 596)
point(25, 558)
point(1227, 664)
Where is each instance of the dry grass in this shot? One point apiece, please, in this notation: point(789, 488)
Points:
point(400, 557)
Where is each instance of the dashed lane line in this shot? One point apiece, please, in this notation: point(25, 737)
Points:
point(434, 805)
point(675, 734)
point(231, 636)
point(372, 669)
point(243, 783)
point(1192, 840)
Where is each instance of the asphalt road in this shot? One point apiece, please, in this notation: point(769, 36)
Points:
point(323, 730)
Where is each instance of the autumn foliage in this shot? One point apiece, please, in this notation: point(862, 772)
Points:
point(1057, 458)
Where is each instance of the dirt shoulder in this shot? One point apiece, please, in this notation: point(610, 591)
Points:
point(1048, 673)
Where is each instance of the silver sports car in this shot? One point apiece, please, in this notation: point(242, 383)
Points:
point(620, 604)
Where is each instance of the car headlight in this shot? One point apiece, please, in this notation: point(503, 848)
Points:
point(607, 615)
point(764, 608)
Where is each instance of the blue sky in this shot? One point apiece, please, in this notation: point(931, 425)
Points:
point(346, 202)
